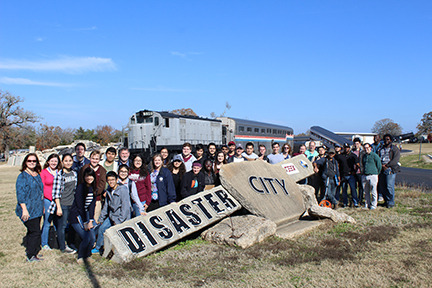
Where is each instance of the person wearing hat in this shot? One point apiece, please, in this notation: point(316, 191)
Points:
point(337, 148)
point(231, 149)
point(330, 176)
point(238, 155)
point(177, 169)
point(193, 181)
point(348, 164)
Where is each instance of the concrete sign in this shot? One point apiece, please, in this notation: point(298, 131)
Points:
point(267, 190)
point(143, 235)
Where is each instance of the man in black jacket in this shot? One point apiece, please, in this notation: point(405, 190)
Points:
point(348, 165)
point(390, 155)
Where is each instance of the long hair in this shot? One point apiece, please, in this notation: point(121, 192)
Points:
point(216, 162)
point(158, 155)
point(38, 167)
point(182, 168)
point(143, 172)
point(289, 146)
point(59, 164)
point(90, 172)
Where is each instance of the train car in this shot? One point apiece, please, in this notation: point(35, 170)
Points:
point(149, 131)
point(243, 131)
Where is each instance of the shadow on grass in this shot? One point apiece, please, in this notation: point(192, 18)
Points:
point(91, 275)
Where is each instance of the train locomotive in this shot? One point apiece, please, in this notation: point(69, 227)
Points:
point(149, 131)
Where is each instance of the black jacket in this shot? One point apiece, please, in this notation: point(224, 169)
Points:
point(187, 182)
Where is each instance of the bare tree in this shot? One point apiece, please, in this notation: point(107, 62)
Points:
point(386, 126)
point(12, 115)
point(425, 126)
point(227, 107)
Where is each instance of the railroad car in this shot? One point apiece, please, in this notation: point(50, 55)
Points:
point(149, 131)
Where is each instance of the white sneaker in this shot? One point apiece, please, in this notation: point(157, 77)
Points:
point(69, 250)
point(46, 247)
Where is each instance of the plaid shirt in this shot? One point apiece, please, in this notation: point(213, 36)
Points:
point(58, 187)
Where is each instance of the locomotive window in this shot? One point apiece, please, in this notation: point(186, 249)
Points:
point(167, 122)
point(241, 128)
point(149, 120)
point(263, 130)
point(249, 129)
point(279, 132)
point(274, 131)
point(256, 130)
point(268, 130)
point(156, 121)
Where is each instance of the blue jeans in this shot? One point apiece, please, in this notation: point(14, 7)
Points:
point(62, 222)
point(48, 218)
point(101, 230)
point(331, 190)
point(88, 238)
point(386, 188)
point(136, 208)
point(351, 181)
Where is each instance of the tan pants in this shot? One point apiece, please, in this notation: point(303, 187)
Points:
point(98, 208)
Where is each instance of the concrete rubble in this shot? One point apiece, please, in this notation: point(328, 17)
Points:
point(242, 231)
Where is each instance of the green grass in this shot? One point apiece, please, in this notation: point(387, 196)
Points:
point(412, 161)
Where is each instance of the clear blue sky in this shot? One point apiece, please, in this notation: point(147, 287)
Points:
point(339, 64)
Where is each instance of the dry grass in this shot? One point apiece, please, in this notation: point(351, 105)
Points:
point(386, 248)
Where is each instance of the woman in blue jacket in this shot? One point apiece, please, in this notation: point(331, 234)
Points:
point(81, 214)
point(162, 184)
point(30, 198)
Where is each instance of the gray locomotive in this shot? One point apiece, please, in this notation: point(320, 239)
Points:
point(149, 131)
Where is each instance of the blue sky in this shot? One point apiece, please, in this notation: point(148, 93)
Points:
point(341, 65)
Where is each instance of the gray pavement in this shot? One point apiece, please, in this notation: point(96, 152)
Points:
point(415, 177)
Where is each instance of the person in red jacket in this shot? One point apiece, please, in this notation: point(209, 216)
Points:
point(140, 176)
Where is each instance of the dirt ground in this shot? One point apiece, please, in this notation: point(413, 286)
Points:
point(386, 248)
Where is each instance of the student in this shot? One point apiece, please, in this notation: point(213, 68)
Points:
point(371, 168)
point(29, 191)
point(302, 150)
point(100, 179)
point(187, 157)
point(140, 176)
point(249, 153)
point(79, 217)
point(311, 153)
point(137, 204)
point(109, 164)
point(193, 181)
point(275, 157)
point(51, 168)
point(211, 151)
point(163, 189)
point(165, 156)
point(286, 151)
point(348, 164)
point(177, 169)
point(232, 148)
point(238, 155)
point(225, 150)
point(116, 209)
point(209, 175)
point(219, 162)
point(124, 156)
point(199, 153)
point(262, 153)
point(79, 159)
point(63, 194)
point(330, 176)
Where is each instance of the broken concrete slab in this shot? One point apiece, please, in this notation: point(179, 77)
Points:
point(242, 231)
point(297, 167)
point(323, 212)
point(267, 190)
point(143, 235)
point(297, 228)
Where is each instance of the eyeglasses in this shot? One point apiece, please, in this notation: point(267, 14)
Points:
point(31, 161)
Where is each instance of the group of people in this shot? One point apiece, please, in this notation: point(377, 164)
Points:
point(87, 196)
point(369, 169)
